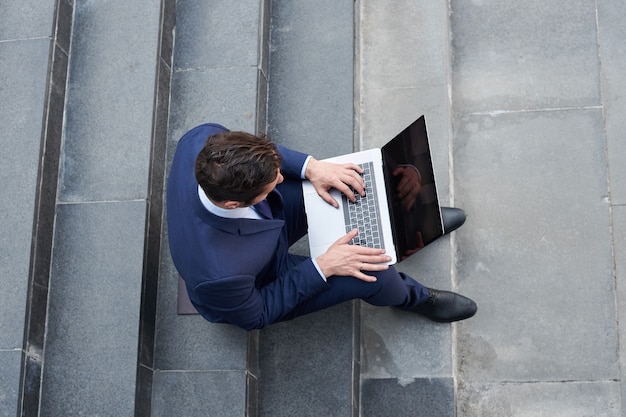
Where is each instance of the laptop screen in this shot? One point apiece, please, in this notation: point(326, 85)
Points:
point(410, 182)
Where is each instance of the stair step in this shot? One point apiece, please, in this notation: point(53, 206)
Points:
point(91, 344)
point(23, 65)
point(103, 206)
point(33, 64)
point(219, 75)
point(309, 366)
point(403, 73)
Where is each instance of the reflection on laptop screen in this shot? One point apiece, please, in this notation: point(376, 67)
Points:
point(410, 181)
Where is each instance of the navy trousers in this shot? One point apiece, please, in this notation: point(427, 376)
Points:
point(392, 288)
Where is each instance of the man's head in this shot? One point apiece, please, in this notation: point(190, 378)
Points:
point(237, 167)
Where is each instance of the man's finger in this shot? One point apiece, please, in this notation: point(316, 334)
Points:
point(347, 237)
point(365, 277)
point(367, 252)
point(375, 260)
point(355, 181)
point(354, 167)
point(325, 195)
point(343, 188)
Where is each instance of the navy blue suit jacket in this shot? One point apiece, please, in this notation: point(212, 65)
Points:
point(236, 270)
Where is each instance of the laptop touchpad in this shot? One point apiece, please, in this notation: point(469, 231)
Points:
point(329, 218)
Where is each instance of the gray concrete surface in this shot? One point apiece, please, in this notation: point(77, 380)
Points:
point(531, 117)
point(90, 356)
point(310, 108)
point(200, 367)
point(524, 104)
point(403, 72)
point(535, 97)
point(26, 37)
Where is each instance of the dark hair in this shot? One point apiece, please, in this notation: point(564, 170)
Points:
point(236, 166)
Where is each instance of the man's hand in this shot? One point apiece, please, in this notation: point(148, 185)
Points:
point(343, 177)
point(350, 260)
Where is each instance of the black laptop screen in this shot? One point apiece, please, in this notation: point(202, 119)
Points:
point(410, 182)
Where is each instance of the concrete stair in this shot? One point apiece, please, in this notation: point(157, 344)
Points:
point(87, 99)
point(94, 96)
point(313, 362)
point(219, 75)
point(319, 364)
point(34, 51)
point(101, 334)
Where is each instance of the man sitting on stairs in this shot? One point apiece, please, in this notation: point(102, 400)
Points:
point(235, 206)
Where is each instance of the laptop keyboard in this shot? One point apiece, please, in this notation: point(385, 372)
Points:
point(363, 214)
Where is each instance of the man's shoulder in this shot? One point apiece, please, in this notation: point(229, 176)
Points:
point(202, 132)
point(210, 128)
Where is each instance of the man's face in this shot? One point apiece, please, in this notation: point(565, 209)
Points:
point(268, 188)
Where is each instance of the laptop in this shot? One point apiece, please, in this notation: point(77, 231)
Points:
point(400, 211)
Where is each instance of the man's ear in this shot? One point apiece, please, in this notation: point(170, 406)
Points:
point(230, 204)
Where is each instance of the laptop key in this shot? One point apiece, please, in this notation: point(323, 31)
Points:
point(363, 213)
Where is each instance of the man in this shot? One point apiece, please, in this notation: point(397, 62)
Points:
point(235, 206)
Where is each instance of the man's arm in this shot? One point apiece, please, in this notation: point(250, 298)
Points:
point(292, 163)
point(237, 300)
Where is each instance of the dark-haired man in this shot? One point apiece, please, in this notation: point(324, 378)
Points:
point(235, 206)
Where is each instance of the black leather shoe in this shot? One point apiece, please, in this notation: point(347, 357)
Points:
point(453, 218)
point(446, 307)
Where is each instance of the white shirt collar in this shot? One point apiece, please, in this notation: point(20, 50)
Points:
point(236, 213)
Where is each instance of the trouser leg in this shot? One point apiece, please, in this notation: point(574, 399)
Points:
point(392, 288)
